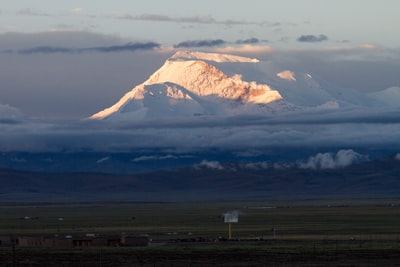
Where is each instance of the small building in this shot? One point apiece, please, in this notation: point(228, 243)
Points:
point(68, 242)
point(6, 241)
point(135, 241)
point(57, 242)
point(30, 241)
point(82, 242)
point(114, 242)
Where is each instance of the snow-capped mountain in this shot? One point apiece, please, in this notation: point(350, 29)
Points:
point(197, 83)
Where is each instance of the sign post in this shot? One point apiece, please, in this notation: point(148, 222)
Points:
point(229, 218)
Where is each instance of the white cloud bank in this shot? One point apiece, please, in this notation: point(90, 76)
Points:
point(210, 165)
point(342, 158)
point(330, 160)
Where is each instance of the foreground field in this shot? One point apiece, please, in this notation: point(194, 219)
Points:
point(283, 253)
point(308, 233)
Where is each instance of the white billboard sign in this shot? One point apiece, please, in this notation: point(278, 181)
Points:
point(231, 217)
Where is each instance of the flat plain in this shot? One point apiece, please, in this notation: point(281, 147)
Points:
point(307, 233)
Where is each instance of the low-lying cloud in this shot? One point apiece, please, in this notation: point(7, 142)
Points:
point(9, 112)
point(215, 165)
point(238, 133)
point(154, 157)
point(342, 158)
point(328, 160)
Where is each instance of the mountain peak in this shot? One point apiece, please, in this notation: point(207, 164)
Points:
point(184, 55)
point(206, 88)
point(198, 83)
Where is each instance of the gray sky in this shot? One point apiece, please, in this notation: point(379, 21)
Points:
point(171, 22)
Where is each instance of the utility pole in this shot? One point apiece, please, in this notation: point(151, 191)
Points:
point(13, 253)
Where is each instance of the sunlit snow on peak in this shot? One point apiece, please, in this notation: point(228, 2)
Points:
point(198, 83)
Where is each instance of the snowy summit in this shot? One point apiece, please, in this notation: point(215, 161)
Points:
point(197, 83)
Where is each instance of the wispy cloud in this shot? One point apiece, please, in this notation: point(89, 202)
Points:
point(200, 43)
point(31, 12)
point(103, 160)
point(194, 20)
point(165, 18)
point(248, 41)
point(217, 42)
point(312, 38)
point(154, 157)
point(76, 11)
point(46, 50)
point(369, 46)
point(244, 49)
point(130, 47)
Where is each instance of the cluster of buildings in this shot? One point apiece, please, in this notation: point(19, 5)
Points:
point(71, 242)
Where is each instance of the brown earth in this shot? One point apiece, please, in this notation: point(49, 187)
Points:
point(196, 257)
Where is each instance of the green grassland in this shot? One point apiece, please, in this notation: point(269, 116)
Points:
point(344, 219)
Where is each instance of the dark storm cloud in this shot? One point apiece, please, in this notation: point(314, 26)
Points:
point(130, 47)
point(312, 38)
point(200, 43)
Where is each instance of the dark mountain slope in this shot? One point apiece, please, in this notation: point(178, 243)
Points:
point(374, 179)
